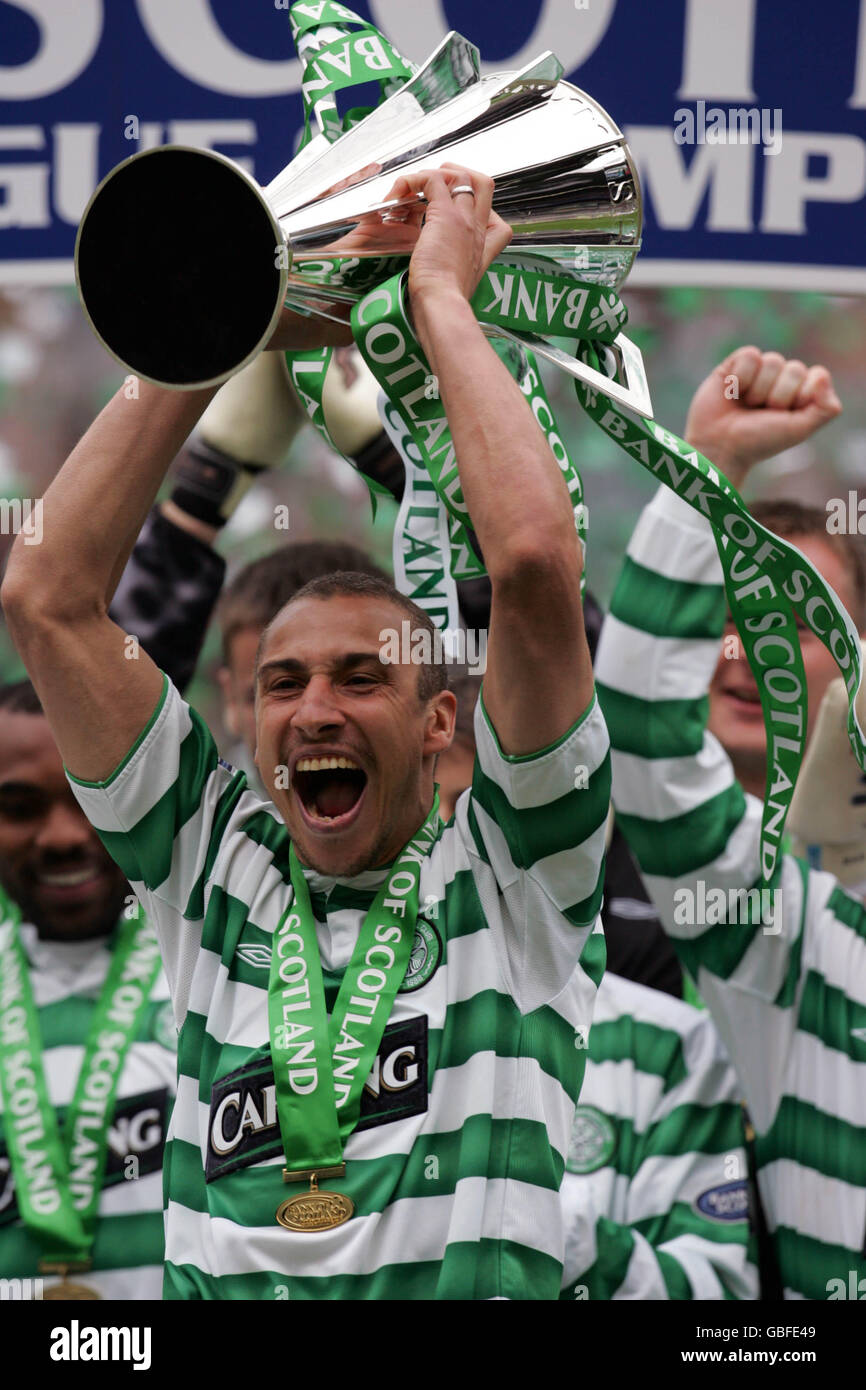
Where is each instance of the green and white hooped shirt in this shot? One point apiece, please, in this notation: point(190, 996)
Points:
point(456, 1162)
point(656, 1192)
point(66, 979)
point(787, 993)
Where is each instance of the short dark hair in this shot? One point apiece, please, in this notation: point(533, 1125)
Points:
point(262, 588)
point(19, 697)
point(433, 675)
point(788, 518)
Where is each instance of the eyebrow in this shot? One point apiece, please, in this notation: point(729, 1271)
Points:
point(18, 787)
point(347, 662)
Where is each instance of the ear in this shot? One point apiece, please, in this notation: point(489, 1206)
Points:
point(231, 719)
point(441, 719)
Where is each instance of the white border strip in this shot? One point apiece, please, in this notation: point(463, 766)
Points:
point(735, 275)
point(731, 275)
point(37, 273)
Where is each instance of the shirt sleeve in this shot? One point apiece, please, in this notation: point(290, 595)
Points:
point(161, 815)
point(535, 827)
point(694, 832)
point(669, 1217)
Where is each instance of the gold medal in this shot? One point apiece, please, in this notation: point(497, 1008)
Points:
point(315, 1210)
point(67, 1290)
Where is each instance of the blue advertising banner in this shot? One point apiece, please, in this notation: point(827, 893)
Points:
point(747, 119)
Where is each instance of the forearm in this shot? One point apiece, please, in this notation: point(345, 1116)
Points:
point(95, 507)
point(539, 673)
point(504, 460)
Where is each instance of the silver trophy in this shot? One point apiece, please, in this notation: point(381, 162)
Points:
point(185, 264)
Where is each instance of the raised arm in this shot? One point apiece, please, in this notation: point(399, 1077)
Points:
point(539, 673)
point(695, 834)
point(97, 686)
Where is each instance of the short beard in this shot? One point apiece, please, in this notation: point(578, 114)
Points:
point(374, 858)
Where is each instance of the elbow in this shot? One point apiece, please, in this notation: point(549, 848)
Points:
point(23, 616)
point(32, 603)
point(16, 593)
point(535, 558)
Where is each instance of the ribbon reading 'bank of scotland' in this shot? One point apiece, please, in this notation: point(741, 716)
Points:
point(339, 49)
point(767, 580)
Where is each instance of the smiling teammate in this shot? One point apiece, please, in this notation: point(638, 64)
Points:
point(82, 1188)
point(447, 1083)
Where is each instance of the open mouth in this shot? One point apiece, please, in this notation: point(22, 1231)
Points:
point(329, 789)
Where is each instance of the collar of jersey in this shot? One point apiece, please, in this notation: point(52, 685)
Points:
point(369, 881)
point(84, 962)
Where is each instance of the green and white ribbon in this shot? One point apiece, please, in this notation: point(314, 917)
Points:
point(58, 1179)
point(321, 1065)
point(388, 345)
point(338, 49)
point(768, 581)
point(421, 548)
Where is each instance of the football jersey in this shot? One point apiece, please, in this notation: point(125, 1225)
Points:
point(656, 1193)
point(67, 978)
point(455, 1165)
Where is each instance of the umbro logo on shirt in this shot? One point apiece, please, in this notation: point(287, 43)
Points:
point(243, 1126)
point(259, 957)
point(424, 961)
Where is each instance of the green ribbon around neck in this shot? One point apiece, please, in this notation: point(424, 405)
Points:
point(58, 1178)
point(322, 1064)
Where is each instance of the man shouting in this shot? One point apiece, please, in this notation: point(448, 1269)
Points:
point(383, 1021)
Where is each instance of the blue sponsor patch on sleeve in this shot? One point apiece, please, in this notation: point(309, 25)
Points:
point(728, 1202)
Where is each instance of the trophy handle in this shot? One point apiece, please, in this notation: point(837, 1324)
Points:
point(629, 388)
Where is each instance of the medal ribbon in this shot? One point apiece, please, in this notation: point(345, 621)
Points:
point(322, 1064)
point(768, 581)
point(58, 1181)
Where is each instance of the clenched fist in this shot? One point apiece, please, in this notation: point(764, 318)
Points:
point(756, 404)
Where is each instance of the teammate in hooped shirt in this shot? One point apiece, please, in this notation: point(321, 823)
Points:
point(67, 917)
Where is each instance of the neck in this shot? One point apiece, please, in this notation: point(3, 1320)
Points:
point(401, 841)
